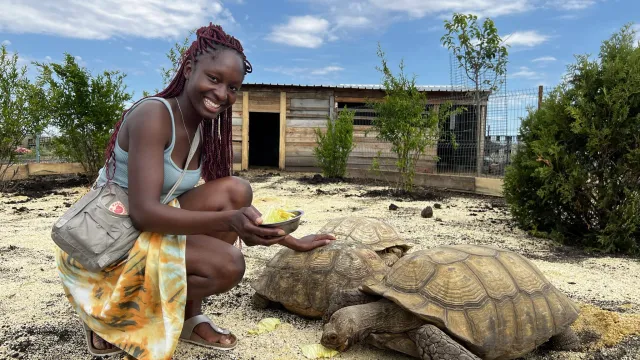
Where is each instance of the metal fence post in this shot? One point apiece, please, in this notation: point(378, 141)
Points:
point(37, 148)
point(540, 91)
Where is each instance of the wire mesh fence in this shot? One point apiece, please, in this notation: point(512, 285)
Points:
point(479, 139)
point(39, 150)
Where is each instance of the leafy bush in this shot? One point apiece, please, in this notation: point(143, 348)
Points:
point(402, 119)
point(335, 145)
point(21, 102)
point(576, 176)
point(85, 109)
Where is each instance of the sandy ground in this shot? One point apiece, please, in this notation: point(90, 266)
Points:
point(38, 323)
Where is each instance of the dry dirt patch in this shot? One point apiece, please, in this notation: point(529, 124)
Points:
point(38, 323)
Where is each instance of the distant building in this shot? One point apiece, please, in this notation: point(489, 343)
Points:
point(273, 126)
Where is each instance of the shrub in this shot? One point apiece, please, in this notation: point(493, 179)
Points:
point(85, 109)
point(335, 145)
point(402, 120)
point(21, 115)
point(576, 177)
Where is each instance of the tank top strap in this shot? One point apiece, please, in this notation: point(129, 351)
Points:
point(173, 122)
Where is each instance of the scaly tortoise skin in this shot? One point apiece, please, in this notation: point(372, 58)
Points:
point(454, 302)
point(378, 234)
point(303, 282)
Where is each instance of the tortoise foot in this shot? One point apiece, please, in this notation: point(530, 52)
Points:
point(260, 302)
point(565, 341)
point(434, 344)
point(389, 258)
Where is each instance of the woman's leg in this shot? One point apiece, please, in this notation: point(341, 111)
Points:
point(214, 265)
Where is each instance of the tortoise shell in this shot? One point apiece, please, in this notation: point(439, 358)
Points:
point(495, 302)
point(372, 232)
point(303, 282)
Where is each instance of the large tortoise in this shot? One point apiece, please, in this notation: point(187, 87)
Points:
point(378, 234)
point(303, 282)
point(454, 302)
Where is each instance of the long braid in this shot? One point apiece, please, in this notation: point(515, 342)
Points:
point(217, 148)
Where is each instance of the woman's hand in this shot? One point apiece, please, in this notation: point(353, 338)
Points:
point(245, 223)
point(308, 242)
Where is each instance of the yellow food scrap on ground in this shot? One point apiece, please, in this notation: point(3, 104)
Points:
point(316, 351)
point(265, 325)
point(276, 215)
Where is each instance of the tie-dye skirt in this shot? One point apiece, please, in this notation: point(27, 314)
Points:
point(137, 304)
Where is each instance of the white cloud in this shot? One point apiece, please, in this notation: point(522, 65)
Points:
point(529, 38)
point(636, 27)
point(145, 53)
point(571, 4)
point(420, 8)
point(6, 42)
point(544, 59)
point(352, 21)
point(128, 48)
point(326, 70)
point(302, 31)
point(381, 13)
point(526, 73)
point(110, 18)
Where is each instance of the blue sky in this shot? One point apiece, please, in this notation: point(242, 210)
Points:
point(310, 41)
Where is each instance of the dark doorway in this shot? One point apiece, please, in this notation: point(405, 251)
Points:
point(264, 139)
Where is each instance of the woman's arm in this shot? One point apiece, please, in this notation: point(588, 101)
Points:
point(148, 132)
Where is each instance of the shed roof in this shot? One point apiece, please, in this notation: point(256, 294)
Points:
point(426, 88)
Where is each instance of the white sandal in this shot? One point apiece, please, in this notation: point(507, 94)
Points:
point(189, 336)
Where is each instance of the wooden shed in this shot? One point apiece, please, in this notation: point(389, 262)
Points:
point(273, 125)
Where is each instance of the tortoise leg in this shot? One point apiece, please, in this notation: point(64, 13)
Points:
point(260, 302)
point(434, 344)
point(389, 258)
point(400, 342)
point(344, 298)
point(564, 341)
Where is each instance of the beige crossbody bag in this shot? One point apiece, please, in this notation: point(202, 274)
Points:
point(97, 230)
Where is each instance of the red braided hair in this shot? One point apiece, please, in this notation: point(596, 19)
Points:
point(217, 148)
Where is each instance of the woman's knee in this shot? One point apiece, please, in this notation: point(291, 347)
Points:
point(228, 273)
point(240, 192)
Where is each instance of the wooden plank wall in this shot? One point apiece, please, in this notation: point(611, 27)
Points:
point(236, 131)
point(367, 147)
point(306, 111)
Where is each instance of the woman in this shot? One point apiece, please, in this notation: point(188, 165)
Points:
point(145, 303)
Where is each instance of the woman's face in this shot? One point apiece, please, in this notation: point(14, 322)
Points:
point(213, 81)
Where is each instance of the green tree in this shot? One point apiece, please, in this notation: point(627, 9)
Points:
point(402, 120)
point(174, 55)
point(576, 175)
point(335, 145)
point(84, 108)
point(483, 56)
point(21, 110)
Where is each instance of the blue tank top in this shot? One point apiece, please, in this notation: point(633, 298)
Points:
point(171, 170)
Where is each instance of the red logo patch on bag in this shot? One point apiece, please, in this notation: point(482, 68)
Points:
point(118, 208)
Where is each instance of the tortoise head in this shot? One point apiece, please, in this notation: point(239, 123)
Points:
point(338, 333)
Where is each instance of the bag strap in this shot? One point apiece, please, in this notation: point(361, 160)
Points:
point(194, 146)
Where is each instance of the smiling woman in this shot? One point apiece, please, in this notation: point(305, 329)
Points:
point(151, 298)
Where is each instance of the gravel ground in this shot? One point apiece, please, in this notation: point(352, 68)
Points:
point(38, 323)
